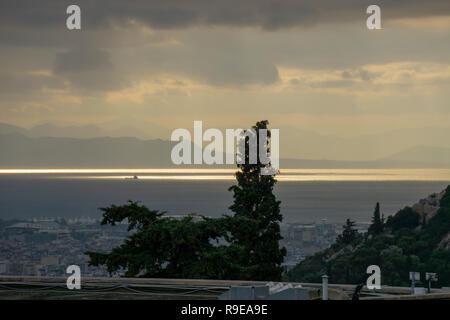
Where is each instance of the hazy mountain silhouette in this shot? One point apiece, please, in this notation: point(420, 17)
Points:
point(9, 128)
point(21, 151)
point(81, 132)
point(426, 154)
point(295, 143)
point(311, 145)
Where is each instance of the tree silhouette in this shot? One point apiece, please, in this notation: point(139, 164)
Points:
point(377, 225)
point(160, 246)
point(255, 225)
point(242, 246)
point(349, 234)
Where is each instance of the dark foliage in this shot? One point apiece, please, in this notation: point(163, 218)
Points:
point(404, 245)
point(243, 246)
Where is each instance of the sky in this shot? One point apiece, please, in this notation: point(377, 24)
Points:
point(312, 68)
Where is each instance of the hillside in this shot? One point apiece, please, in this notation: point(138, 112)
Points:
point(414, 239)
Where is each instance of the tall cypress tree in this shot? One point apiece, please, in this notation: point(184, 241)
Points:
point(254, 228)
point(163, 247)
point(377, 225)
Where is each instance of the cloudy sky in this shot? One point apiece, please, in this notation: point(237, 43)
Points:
point(311, 67)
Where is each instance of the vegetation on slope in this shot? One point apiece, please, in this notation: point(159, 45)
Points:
point(401, 244)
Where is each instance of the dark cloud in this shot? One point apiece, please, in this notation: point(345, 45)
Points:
point(347, 75)
point(221, 59)
point(333, 84)
point(89, 69)
point(240, 74)
point(222, 70)
point(230, 58)
point(82, 60)
point(25, 83)
point(360, 74)
point(267, 14)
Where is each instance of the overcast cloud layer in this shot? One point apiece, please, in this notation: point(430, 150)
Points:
point(267, 14)
point(310, 67)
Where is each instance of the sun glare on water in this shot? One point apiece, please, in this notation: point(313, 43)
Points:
point(228, 174)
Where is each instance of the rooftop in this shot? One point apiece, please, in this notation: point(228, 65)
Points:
point(54, 288)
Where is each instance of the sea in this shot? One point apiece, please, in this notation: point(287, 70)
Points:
point(306, 195)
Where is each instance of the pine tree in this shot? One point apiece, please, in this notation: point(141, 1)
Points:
point(349, 234)
point(377, 225)
point(254, 228)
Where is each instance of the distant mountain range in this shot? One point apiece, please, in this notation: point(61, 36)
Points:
point(80, 132)
point(19, 151)
point(31, 148)
point(298, 143)
point(425, 154)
